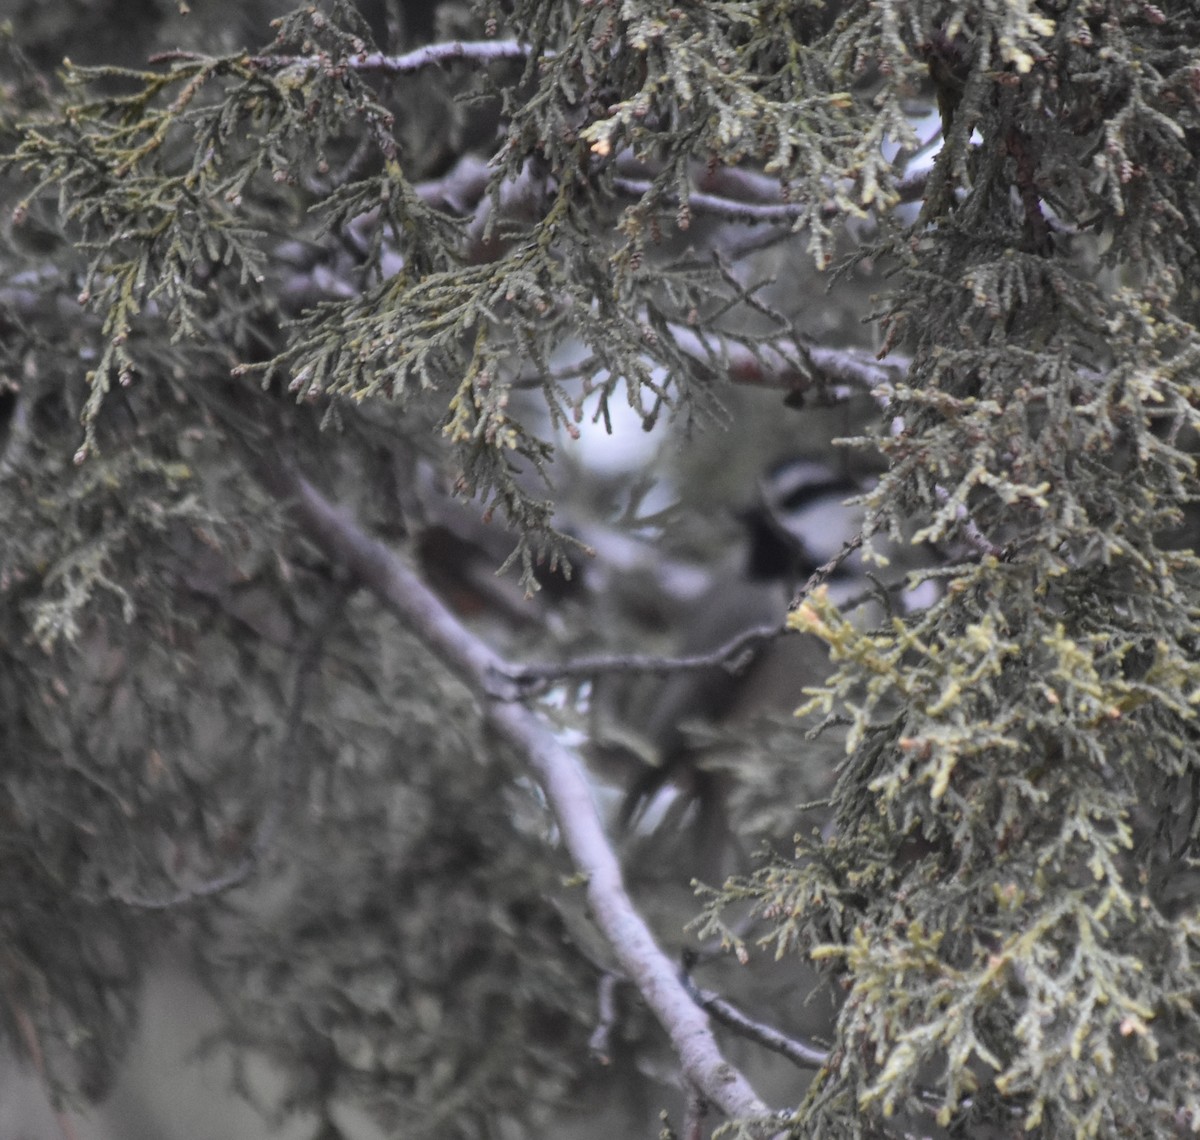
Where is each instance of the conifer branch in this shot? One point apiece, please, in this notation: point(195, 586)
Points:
point(558, 770)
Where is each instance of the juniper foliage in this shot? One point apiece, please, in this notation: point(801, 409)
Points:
point(214, 256)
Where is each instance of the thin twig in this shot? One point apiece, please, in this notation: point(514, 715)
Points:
point(733, 653)
point(823, 571)
point(478, 51)
point(606, 1017)
point(728, 654)
point(778, 212)
point(978, 540)
point(864, 370)
point(784, 363)
point(714, 204)
point(33, 1046)
point(800, 1052)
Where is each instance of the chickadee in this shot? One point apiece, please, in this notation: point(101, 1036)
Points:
point(800, 522)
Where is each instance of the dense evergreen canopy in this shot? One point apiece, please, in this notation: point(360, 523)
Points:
point(283, 292)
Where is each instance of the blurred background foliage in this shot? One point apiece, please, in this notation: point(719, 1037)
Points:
point(432, 294)
point(193, 697)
